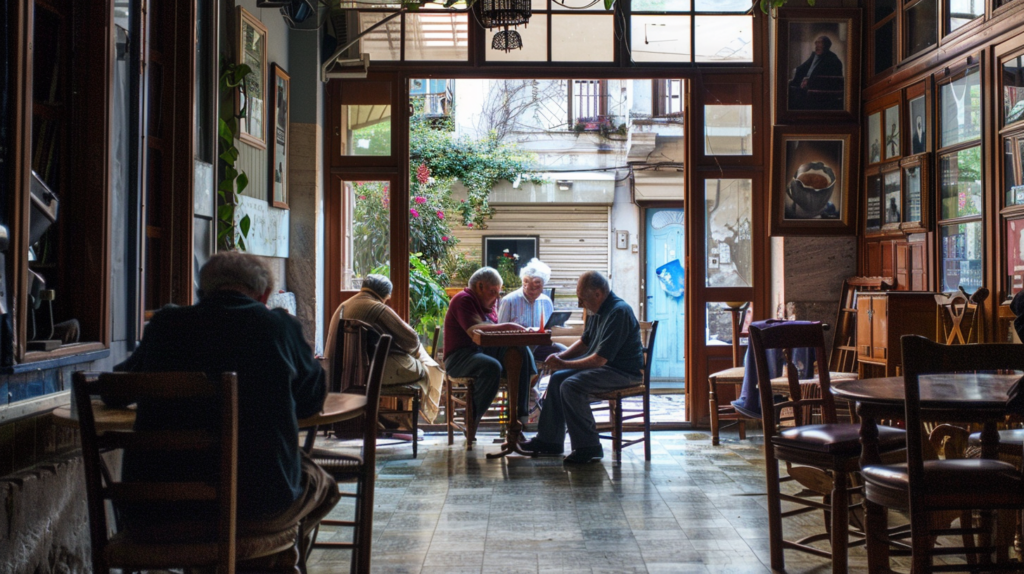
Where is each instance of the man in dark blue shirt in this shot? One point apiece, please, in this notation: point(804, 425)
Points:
point(279, 382)
point(609, 356)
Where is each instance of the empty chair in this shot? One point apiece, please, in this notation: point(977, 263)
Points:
point(359, 468)
point(151, 532)
point(831, 447)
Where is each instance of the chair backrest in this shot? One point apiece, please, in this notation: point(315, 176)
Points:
point(350, 359)
point(155, 390)
point(924, 357)
point(960, 313)
point(374, 378)
point(648, 330)
point(787, 336)
point(433, 344)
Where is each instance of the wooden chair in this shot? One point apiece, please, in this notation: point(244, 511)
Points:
point(843, 358)
point(617, 415)
point(187, 542)
point(959, 312)
point(350, 361)
point(831, 447)
point(361, 469)
point(923, 487)
point(731, 377)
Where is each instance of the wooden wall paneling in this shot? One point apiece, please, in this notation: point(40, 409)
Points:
point(902, 268)
point(872, 264)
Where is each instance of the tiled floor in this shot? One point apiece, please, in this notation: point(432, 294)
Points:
point(694, 508)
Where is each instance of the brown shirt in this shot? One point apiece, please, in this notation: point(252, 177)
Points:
point(368, 307)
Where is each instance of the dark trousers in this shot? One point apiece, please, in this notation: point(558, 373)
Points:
point(485, 365)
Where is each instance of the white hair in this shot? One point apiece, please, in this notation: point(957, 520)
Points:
point(537, 269)
point(486, 275)
point(235, 270)
point(379, 284)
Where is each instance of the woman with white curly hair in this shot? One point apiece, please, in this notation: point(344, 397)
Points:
point(528, 305)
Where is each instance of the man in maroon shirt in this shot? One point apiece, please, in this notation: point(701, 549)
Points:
point(475, 309)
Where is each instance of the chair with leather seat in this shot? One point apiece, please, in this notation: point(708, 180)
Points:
point(925, 487)
point(358, 468)
point(160, 541)
point(617, 414)
point(829, 451)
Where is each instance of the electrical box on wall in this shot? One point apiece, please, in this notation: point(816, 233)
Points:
point(622, 239)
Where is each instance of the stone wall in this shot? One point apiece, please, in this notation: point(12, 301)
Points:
point(44, 521)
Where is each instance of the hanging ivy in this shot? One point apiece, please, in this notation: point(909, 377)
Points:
point(233, 180)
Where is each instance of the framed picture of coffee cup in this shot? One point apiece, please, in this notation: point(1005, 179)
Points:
point(280, 96)
point(818, 65)
point(892, 197)
point(812, 175)
point(916, 193)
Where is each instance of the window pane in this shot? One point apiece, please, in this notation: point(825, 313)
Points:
point(922, 26)
point(742, 6)
point(728, 130)
point(727, 210)
point(535, 43)
point(660, 38)
point(912, 194)
point(1013, 159)
point(1015, 256)
point(661, 5)
point(436, 36)
point(368, 130)
point(581, 38)
point(961, 256)
point(960, 109)
point(960, 178)
point(1013, 90)
point(724, 38)
point(383, 43)
point(579, 6)
point(885, 41)
point(963, 11)
point(369, 244)
point(719, 328)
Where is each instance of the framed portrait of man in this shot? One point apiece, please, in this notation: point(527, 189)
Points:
point(818, 64)
point(874, 142)
point(918, 125)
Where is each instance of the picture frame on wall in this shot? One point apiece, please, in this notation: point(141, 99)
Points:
point(280, 99)
point(917, 125)
point(891, 147)
point(818, 65)
point(892, 197)
point(251, 101)
point(874, 143)
point(873, 202)
point(812, 172)
point(916, 193)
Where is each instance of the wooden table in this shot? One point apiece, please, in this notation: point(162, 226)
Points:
point(961, 397)
point(513, 363)
point(337, 407)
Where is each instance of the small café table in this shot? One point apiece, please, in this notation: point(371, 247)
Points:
point(952, 397)
point(337, 407)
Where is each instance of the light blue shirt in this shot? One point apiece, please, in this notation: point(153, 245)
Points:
point(516, 309)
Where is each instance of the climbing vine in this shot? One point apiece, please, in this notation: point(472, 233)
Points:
point(233, 180)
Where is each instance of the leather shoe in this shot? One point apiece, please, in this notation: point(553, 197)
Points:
point(535, 446)
point(585, 455)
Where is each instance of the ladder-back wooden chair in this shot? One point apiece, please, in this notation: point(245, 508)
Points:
point(843, 358)
point(616, 414)
point(148, 534)
point(961, 316)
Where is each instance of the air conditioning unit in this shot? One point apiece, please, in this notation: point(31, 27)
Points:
point(346, 61)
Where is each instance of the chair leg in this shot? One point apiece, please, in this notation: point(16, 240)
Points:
point(713, 403)
point(876, 524)
point(778, 561)
point(743, 429)
point(840, 522)
point(647, 426)
point(470, 421)
point(449, 412)
point(364, 526)
point(615, 411)
point(415, 424)
point(920, 543)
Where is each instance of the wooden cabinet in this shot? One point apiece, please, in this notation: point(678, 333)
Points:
point(882, 318)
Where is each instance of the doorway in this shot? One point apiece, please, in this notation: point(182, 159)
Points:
point(666, 295)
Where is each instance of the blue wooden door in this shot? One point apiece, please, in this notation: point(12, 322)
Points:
point(666, 242)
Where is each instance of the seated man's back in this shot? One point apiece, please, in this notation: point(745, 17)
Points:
point(279, 382)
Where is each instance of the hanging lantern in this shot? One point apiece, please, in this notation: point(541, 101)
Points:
point(507, 40)
point(502, 14)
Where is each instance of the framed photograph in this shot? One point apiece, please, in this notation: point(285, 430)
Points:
point(916, 192)
point(280, 97)
point(520, 249)
point(873, 202)
point(891, 133)
point(818, 65)
point(1013, 168)
point(811, 179)
point(917, 122)
point(874, 138)
point(892, 198)
point(1014, 256)
point(252, 51)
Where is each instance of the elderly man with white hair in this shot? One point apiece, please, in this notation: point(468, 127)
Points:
point(475, 309)
point(529, 306)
